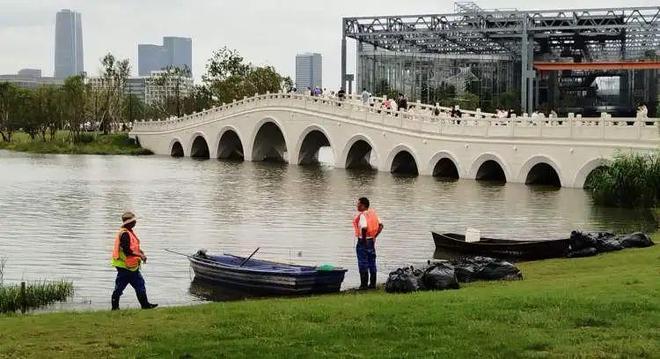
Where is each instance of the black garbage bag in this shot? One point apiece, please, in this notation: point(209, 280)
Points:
point(440, 276)
point(404, 280)
point(635, 240)
point(485, 268)
point(500, 270)
point(584, 252)
point(601, 241)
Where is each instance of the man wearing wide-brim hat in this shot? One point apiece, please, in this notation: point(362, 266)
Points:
point(127, 257)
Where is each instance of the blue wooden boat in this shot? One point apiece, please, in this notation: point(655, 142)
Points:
point(266, 277)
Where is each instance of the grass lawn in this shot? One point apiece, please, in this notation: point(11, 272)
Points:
point(94, 144)
point(604, 306)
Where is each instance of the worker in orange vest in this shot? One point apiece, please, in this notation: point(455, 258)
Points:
point(367, 227)
point(127, 257)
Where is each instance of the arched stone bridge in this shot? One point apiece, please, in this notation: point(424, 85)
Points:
point(292, 128)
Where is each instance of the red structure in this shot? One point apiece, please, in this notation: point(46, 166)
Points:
point(595, 66)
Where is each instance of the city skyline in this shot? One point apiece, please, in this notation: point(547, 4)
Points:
point(264, 33)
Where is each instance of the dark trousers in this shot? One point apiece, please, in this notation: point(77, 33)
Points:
point(126, 277)
point(366, 255)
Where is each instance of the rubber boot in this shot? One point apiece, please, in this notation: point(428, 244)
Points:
point(144, 302)
point(372, 279)
point(115, 303)
point(364, 278)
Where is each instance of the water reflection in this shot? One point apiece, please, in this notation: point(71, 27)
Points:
point(53, 206)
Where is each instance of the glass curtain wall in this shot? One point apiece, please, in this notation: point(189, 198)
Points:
point(489, 80)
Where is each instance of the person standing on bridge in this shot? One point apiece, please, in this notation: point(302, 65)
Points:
point(127, 257)
point(367, 227)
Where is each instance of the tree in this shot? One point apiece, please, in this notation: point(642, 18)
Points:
point(109, 96)
point(75, 104)
point(229, 77)
point(134, 108)
point(170, 80)
point(9, 110)
point(224, 64)
point(468, 101)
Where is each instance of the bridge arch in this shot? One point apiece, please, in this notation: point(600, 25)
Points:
point(586, 169)
point(489, 166)
point(175, 148)
point(359, 152)
point(199, 146)
point(269, 141)
point(229, 144)
point(444, 164)
point(541, 170)
point(403, 160)
point(310, 142)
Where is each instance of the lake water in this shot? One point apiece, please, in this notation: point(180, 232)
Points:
point(59, 215)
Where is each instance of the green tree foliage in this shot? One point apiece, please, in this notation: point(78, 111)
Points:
point(109, 96)
point(10, 117)
point(75, 105)
point(78, 105)
point(171, 80)
point(229, 77)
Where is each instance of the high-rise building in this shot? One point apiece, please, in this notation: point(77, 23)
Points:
point(175, 51)
point(68, 44)
point(309, 71)
point(150, 58)
point(179, 51)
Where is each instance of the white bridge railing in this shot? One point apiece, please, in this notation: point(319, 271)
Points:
point(424, 118)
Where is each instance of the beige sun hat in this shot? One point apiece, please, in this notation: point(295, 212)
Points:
point(128, 217)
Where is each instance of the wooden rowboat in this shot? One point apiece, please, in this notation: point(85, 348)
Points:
point(266, 277)
point(502, 248)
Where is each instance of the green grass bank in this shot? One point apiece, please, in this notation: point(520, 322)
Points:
point(601, 307)
point(91, 144)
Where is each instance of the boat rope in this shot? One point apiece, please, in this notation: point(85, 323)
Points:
point(179, 253)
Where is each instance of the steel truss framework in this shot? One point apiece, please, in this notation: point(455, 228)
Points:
point(585, 34)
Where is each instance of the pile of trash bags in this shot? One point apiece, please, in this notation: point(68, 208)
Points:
point(442, 275)
point(590, 244)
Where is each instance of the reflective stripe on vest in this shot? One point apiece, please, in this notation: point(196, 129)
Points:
point(121, 260)
point(373, 222)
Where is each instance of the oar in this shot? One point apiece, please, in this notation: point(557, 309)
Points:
point(248, 258)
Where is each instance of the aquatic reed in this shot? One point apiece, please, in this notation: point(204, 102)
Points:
point(37, 294)
point(630, 180)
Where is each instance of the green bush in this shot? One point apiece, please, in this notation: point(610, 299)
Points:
point(630, 180)
point(85, 138)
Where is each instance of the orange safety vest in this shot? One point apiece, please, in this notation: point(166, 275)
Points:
point(373, 222)
point(121, 260)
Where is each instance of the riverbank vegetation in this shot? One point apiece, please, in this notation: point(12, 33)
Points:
point(630, 180)
point(106, 104)
point(603, 306)
point(91, 143)
point(35, 295)
point(15, 297)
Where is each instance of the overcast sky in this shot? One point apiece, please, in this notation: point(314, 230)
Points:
point(265, 32)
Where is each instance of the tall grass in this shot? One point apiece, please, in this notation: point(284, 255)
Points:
point(3, 262)
point(37, 295)
point(630, 180)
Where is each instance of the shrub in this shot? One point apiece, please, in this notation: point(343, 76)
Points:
point(630, 180)
point(85, 138)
